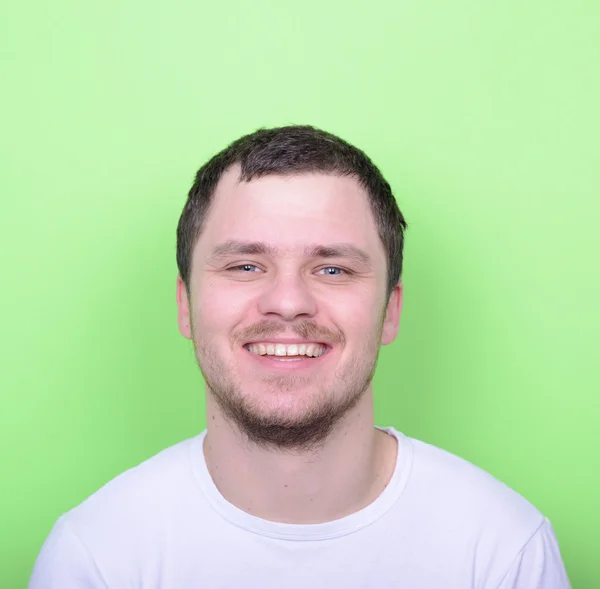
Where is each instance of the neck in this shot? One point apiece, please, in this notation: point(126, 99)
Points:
point(342, 476)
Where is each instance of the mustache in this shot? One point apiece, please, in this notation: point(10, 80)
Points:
point(305, 329)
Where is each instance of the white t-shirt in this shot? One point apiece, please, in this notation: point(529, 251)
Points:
point(441, 523)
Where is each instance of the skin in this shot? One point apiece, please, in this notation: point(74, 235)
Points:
point(294, 259)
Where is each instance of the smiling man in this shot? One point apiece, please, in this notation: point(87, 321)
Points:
point(289, 251)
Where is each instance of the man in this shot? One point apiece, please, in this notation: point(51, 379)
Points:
point(289, 251)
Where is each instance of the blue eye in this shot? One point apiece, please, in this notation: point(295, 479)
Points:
point(245, 268)
point(331, 271)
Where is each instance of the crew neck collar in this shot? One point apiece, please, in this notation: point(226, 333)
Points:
point(321, 531)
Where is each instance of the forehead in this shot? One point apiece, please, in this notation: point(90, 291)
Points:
point(290, 212)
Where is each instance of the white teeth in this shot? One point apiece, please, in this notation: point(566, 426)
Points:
point(266, 349)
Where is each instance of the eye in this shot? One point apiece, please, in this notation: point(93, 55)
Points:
point(245, 268)
point(332, 271)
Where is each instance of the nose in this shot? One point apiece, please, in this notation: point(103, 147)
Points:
point(289, 298)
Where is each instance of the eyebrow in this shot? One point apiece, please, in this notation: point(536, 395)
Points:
point(235, 248)
point(339, 250)
point(336, 250)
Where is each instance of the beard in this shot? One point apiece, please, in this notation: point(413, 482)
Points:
point(287, 421)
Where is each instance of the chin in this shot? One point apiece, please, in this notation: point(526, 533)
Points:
point(286, 411)
point(286, 427)
point(279, 404)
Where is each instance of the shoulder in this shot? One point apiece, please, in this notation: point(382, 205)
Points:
point(151, 487)
point(467, 501)
point(454, 481)
point(107, 539)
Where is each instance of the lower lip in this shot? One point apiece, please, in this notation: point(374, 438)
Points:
point(282, 363)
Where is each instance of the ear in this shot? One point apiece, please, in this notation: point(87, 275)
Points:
point(391, 322)
point(183, 309)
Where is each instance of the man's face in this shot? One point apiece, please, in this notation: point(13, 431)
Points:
point(288, 303)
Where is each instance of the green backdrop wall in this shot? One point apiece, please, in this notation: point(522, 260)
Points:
point(484, 117)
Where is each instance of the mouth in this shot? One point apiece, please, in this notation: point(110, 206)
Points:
point(303, 352)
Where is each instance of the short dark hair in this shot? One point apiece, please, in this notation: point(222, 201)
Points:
point(284, 151)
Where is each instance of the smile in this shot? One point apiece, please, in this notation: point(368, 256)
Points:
point(310, 349)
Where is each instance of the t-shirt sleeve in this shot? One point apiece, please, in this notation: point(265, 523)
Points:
point(65, 563)
point(539, 565)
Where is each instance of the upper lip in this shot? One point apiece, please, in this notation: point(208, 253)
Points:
point(286, 341)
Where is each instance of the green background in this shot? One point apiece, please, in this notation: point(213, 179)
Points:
point(484, 117)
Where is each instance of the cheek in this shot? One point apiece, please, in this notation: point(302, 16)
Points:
point(359, 317)
point(219, 309)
